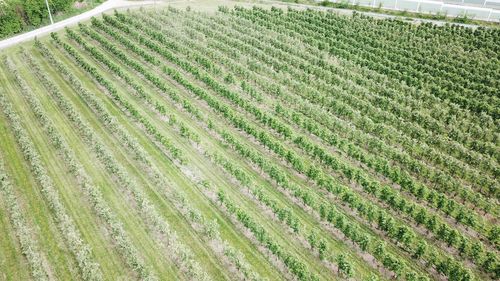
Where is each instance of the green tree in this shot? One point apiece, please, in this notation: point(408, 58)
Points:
point(322, 248)
point(35, 11)
point(452, 238)
point(463, 246)
point(380, 249)
point(421, 249)
point(421, 216)
point(476, 251)
point(490, 263)
point(10, 21)
point(15, 15)
point(432, 223)
point(364, 242)
point(312, 238)
point(494, 234)
point(61, 5)
point(411, 276)
point(344, 267)
point(405, 235)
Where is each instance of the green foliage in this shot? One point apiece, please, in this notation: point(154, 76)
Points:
point(10, 21)
point(19, 15)
point(35, 11)
point(344, 267)
point(390, 179)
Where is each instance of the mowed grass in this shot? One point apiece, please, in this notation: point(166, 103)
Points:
point(50, 240)
point(117, 198)
point(10, 259)
point(91, 228)
point(183, 232)
point(200, 164)
point(220, 180)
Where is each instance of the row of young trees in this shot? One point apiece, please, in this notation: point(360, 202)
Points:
point(396, 67)
point(101, 207)
point(237, 258)
point(446, 234)
point(23, 231)
point(470, 195)
point(87, 266)
point(294, 265)
point(423, 192)
point(191, 86)
point(355, 98)
point(389, 90)
point(228, 113)
point(130, 253)
point(208, 229)
point(293, 100)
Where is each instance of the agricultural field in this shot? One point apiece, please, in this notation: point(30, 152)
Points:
point(251, 143)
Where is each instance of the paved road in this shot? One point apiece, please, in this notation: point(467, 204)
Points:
point(110, 4)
